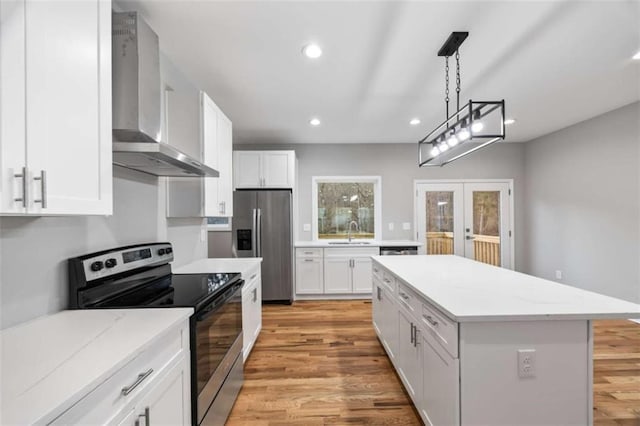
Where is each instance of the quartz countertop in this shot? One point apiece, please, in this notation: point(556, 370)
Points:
point(466, 290)
point(242, 265)
point(50, 363)
point(376, 243)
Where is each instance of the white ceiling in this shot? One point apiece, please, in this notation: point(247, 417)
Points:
point(555, 63)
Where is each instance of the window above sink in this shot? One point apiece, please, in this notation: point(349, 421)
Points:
point(346, 210)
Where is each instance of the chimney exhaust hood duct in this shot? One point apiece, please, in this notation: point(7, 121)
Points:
point(136, 104)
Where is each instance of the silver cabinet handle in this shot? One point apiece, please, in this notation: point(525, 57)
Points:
point(221, 207)
point(430, 320)
point(147, 418)
point(375, 269)
point(43, 188)
point(379, 293)
point(252, 277)
point(308, 252)
point(224, 207)
point(404, 296)
point(255, 294)
point(412, 337)
point(416, 342)
point(23, 176)
point(386, 281)
point(128, 389)
point(308, 260)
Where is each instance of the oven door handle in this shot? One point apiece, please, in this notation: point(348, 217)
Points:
point(217, 303)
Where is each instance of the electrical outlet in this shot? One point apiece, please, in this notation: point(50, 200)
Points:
point(558, 275)
point(526, 363)
point(406, 226)
point(390, 226)
point(306, 227)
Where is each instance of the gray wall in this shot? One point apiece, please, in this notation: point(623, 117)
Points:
point(397, 165)
point(583, 202)
point(33, 250)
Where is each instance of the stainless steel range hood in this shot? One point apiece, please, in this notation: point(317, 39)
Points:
point(136, 104)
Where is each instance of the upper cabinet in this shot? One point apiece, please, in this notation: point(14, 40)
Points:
point(264, 169)
point(55, 108)
point(206, 197)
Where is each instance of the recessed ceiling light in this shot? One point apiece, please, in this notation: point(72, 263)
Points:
point(509, 121)
point(636, 56)
point(312, 51)
point(414, 121)
point(314, 121)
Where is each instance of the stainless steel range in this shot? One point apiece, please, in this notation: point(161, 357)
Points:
point(139, 276)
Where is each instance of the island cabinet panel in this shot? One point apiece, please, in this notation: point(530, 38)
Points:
point(385, 318)
point(409, 357)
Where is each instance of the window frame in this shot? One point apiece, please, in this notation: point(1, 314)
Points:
point(377, 203)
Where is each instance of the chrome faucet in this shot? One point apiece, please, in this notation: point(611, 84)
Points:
point(353, 222)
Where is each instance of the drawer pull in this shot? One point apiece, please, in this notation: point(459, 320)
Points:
point(386, 281)
point(252, 277)
point(404, 296)
point(128, 389)
point(430, 320)
point(308, 260)
point(308, 252)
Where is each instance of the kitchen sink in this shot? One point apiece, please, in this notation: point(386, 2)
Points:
point(349, 243)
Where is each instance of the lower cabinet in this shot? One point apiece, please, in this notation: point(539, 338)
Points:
point(309, 275)
point(251, 310)
point(155, 385)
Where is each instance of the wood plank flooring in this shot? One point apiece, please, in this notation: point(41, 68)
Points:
point(320, 363)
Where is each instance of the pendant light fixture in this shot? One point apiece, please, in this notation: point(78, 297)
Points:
point(473, 126)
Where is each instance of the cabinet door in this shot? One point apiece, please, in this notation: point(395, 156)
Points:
point(409, 357)
point(440, 396)
point(225, 165)
point(277, 169)
point(168, 402)
point(12, 106)
point(362, 275)
point(337, 275)
point(309, 276)
point(211, 154)
point(68, 106)
point(246, 168)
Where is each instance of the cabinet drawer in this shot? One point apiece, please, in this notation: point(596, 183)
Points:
point(389, 281)
point(409, 299)
point(251, 280)
point(351, 251)
point(377, 270)
point(308, 252)
point(441, 328)
point(107, 401)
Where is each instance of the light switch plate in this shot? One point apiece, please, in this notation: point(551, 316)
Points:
point(406, 226)
point(306, 227)
point(390, 226)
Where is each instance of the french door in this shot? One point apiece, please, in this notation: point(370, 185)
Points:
point(471, 219)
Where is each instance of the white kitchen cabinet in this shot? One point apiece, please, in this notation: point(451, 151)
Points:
point(309, 271)
point(348, 269)
point(157, 380)
point(264, 169)
point(440, 403)
point(251, 310)
point(385, 317)
point(207, 197)
point(55, 108)
point(409, 359)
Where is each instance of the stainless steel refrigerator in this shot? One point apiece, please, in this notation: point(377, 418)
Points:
point(262, 228)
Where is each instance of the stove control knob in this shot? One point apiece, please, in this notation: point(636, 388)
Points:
point(169, 250)
point(160, 252)
point(110, 263)
point(96, 266)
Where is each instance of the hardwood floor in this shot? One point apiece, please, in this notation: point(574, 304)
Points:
point(320, 363)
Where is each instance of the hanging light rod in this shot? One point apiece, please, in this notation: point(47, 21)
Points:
point(473, 126)
point(453, 43)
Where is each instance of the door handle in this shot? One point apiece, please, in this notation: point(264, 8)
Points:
point(255, 294)
point(43, 188)
point(379, 293)
point(23, 177)
point(259, 233)
point(147, 418)
point(254, 230)
point(412, 338)
point(469, 237)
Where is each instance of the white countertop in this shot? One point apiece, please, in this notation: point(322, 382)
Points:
point(384, 243)
point(49, 363)
point(466, 290)
point(203, 266)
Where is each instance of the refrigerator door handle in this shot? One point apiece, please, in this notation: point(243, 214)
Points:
point(259, 233)
point(254, 229)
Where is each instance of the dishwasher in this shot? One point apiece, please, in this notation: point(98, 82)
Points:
point(398, 250)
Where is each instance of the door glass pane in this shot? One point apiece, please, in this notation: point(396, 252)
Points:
point(439, 208)
point(486, 227)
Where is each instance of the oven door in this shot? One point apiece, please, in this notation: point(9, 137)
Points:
point(216, 341)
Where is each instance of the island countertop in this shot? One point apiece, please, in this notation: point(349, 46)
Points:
point(49, 363)
point(466, 290)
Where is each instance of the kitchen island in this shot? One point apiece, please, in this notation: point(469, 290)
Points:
point(479, 345)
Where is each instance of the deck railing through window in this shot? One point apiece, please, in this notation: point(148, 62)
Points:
point(486, 248)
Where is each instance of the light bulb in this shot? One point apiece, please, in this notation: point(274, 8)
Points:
point(443, 147)
point(453, 140)
point(435, 151)
point(477, 126)
point(314, 122)
point(463, 134)
point(312, 51)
